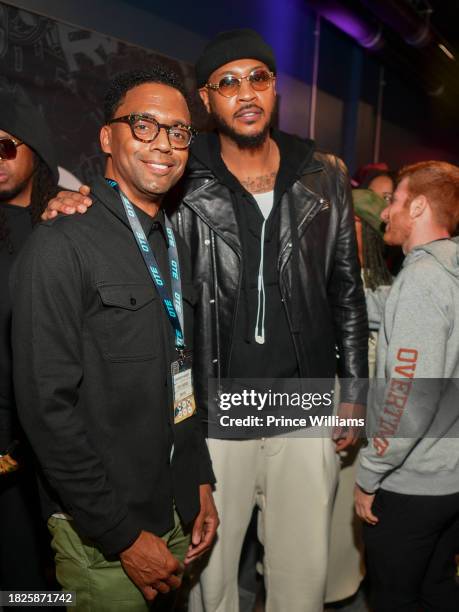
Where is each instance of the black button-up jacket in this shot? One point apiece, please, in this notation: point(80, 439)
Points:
point(92, 348)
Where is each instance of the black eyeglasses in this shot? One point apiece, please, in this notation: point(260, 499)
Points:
point(8, 148)
point(259, 79)
point(145, 128)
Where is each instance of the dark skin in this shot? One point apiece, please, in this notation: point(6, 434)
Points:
point(146, 172)
point(16, 175)
point(247, 113)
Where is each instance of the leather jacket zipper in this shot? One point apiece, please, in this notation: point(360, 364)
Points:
point(281, 266)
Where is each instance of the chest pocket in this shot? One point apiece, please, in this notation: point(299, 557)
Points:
point(132, 324)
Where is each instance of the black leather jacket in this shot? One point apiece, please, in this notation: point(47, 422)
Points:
point(333, 336)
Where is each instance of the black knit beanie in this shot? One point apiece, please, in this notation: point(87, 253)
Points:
point(233, 45)
point(20, 118)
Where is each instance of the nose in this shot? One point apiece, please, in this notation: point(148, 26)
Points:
point(161, 141)
point(246, 91)
point(384, 216)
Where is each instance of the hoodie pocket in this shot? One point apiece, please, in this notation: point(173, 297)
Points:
point(132, 322)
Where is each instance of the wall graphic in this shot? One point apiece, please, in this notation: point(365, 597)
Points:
point(64, 70)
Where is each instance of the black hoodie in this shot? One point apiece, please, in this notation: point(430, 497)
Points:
point(276, 357)
point(20, 118)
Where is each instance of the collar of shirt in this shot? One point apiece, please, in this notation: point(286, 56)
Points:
point(110, 198)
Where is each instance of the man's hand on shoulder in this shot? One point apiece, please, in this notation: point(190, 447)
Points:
point(151, 566)
point(68, 203)
point(205, 525)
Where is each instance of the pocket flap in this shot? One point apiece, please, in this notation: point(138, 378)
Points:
point(130, 297)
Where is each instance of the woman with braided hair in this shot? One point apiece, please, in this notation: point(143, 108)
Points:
point(28, 178)
point(346, 567)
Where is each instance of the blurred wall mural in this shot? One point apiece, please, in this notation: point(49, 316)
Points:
point(64, 70)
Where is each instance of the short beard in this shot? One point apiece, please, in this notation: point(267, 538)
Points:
point(255, 141)
point(9, 194)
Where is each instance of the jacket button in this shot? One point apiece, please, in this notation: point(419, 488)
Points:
point(214, 360)
point(211, 301)
point(207, 242)
point(133, 301)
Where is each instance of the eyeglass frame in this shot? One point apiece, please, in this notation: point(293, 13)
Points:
point(216, 86)
point(128, 119)
point(16, 143)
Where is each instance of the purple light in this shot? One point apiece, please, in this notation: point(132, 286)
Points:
point(347, 21)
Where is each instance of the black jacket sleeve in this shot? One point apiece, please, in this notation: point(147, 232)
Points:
point(48, 289)
point(347, 299)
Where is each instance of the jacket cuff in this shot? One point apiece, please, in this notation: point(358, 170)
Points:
point(112, 542)
point(354, 390)
point(367, 479)
point(206, 473)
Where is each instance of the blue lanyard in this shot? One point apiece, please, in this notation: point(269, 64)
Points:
point(174, 309)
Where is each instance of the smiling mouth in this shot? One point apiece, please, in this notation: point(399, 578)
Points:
point(158, 168)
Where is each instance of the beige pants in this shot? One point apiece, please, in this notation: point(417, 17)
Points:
point(292, 480)
point(345, 565)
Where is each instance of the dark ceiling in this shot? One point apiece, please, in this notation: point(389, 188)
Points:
point(445, 18)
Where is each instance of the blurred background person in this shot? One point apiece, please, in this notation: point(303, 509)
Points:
point(379, 179)
point(346, 564)
point(28, 178)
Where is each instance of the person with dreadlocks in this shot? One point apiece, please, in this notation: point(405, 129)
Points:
point(28, 178)
point(368, 205)
point(381, 180)
point(346, 568)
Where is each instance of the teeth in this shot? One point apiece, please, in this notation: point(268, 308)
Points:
point(158, 166)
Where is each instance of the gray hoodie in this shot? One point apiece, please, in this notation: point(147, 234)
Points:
point(418, 340)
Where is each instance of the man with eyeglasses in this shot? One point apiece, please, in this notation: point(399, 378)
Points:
point(102, 324)
point(273, 251)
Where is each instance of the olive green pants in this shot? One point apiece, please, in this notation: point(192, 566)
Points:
point(102, 585)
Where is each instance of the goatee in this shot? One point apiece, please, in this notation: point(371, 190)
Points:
point(243, 141)
point(7, 195)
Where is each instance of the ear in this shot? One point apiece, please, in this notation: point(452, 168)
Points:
point(274, 86)
point(417, 206)
point(204, 94)
point(106, 139)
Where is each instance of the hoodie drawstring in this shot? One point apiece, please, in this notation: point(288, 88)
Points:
point(261, 308)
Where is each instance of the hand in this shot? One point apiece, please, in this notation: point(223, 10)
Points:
point(363, 503)
point(8, 464)
point(68, 203)
point(205, 525)
point(151, 566)
point(348, 436)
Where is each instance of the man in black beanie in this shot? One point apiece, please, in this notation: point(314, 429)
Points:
point(28, 178)
point(271, 229)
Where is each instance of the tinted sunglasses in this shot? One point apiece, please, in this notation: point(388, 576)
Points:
point(260, 79)
point(8, 148)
